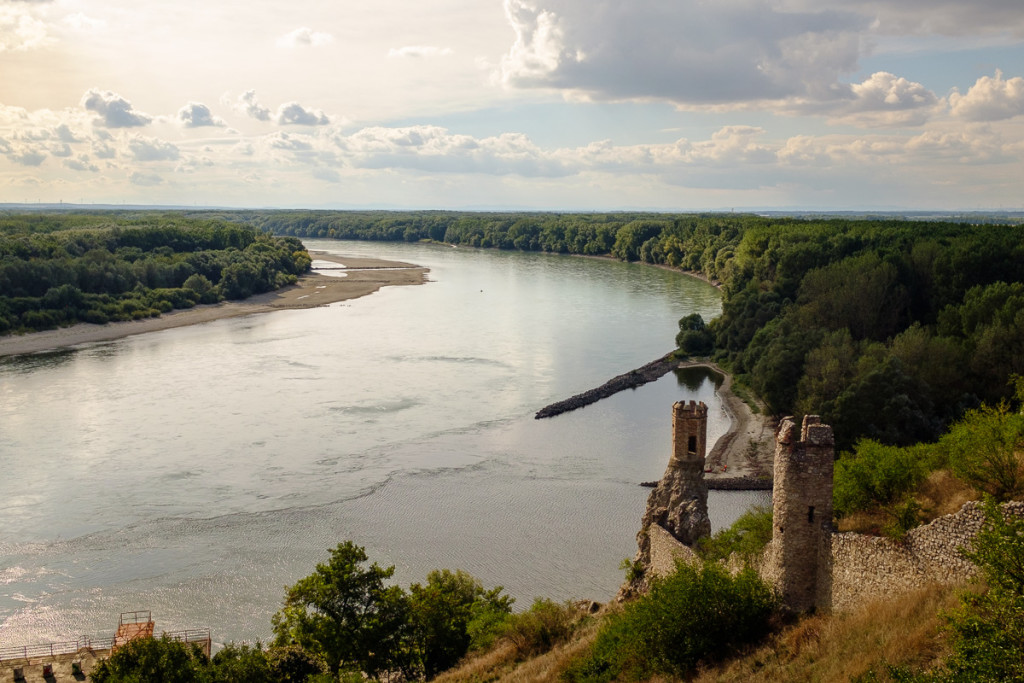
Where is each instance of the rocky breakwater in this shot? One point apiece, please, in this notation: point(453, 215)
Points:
point(631, 380)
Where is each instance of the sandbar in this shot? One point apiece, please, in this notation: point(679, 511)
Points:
point(363, 276)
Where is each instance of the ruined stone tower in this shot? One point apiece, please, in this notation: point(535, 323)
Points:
point(679, 504)
point(798, 562)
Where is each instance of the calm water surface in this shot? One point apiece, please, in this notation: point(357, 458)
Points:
point(197, 471)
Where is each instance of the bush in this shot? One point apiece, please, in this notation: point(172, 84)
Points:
point(152, 659)
point(539, 629)
point(699, 613)
point(747, 537)
point(875, 474)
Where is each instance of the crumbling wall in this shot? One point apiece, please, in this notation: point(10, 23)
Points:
point(866, 568)
point(797, 559)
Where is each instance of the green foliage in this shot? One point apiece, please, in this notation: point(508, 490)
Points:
point(344, 613)
point(904, 517)
point(152, 659)
point(537, 630)
point(988, 629)
point(241, 664)
point(104, 267)
point(698, 614)
point(292, 664)
point(449, 613)
point(986, 449)
point(747, 537)
point(694, 338)
point(874, 474)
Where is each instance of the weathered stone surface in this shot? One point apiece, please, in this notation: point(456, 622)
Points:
point(802, 514)
point(678, 505)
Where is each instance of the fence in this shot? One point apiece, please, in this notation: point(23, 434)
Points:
point(53, 649)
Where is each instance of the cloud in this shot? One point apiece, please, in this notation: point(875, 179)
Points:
point(28, 157)
point(65, 134)
point(420, 51)
point(196, 115)
point(293, 113)
point(879, 101)
point(114, 110)
point(20, 30)
point(436, 149)
point(305, 37)
point(152, 149)
point(81, 22)
point(990, 99)
point(689, 52)
point(144, 179)
point(248, 105)
point(932, 17)
point(82, 163)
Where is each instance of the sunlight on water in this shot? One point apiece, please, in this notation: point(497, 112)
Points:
point(196, 471)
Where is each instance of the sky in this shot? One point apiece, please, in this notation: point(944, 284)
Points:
point(515, 104)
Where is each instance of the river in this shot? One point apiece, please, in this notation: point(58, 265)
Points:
point(196, 471)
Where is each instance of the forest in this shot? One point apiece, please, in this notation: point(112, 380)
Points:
point(889, 329)
point(61, 269)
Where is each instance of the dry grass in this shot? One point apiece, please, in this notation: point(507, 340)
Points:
point(940, 494)
point(501, 664)
point(903, 630)
point(943, 494)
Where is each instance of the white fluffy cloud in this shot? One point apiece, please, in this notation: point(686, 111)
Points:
point(990, 99)
point(420, 51)
point(114, 111)
point(20, 29)
point(196, 115)
point(688, 52)
point(293, 113)
point(305, 37)
point(248, 105)
point(152, 149)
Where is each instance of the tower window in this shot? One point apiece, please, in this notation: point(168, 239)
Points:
point(691, 446)
point(810, 514)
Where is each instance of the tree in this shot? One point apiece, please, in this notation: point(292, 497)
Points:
point(344, 613)
point(986, 449)
point(447, 612)
point(694, 338)
point(152, 659)
point(988, 629)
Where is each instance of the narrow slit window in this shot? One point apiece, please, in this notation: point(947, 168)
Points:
point(692, 445)
point(810, 514)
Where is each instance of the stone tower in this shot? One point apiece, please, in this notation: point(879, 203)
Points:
point(679, 503)
point(799, 559)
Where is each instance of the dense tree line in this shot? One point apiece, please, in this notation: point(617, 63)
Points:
point(61, 269)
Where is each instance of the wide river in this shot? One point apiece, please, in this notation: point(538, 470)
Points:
point(197, 471)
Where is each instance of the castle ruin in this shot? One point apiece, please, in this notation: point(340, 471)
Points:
point(798, 558)
point(678, 506)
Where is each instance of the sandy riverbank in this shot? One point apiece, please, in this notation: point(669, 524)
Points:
point(362, 276)
point(747, 448)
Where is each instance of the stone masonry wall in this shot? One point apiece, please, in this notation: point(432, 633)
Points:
point(866, 568)
point(665, 551)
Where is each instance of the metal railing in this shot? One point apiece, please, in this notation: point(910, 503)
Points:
point(135, 618)
point(53, 649)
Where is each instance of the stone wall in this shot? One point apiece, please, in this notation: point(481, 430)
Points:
point(665, 551)
point(866, 568)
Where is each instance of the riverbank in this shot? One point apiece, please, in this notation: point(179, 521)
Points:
point(740, 459)
point(362, 276)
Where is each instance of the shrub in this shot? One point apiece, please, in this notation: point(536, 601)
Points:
point(540, 628)
point(747, 537)
point(699, 613)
